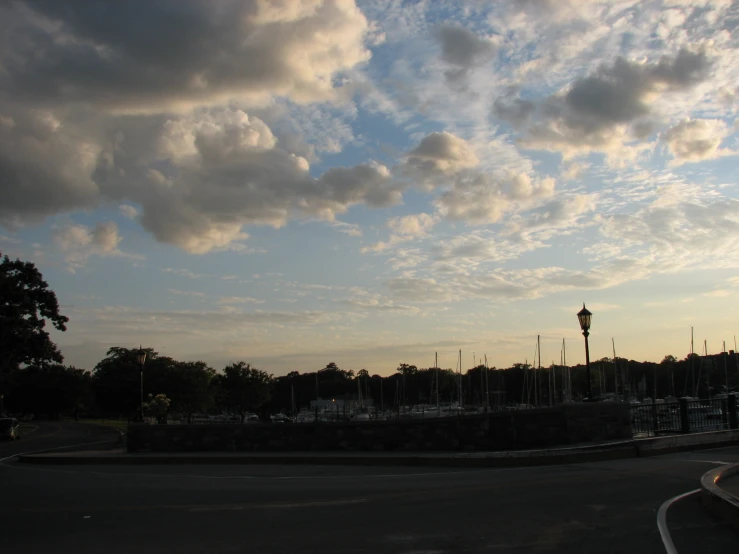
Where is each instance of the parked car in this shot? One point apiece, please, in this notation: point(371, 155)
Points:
point(9, 428)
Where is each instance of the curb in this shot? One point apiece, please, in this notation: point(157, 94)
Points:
point(635, 448)
point(411, 460)
point(717, 500)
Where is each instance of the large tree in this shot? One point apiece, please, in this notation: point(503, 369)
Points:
point(52, 390)
point(242, 388)
point(26, 303)
point(116, 380)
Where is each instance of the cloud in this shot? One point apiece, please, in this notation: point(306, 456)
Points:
point(574, 170)
point(441, 152)
point(350, 229)
point(183, 328)
point(404, 228)
point(228, 300)
point(676, 236)
point(183, 273)
point(463, 50)
point(720, 293)
point(512, 109)
point(595, 112)
point(695, 140)
point(480, 198)
point(195, 294)
point(152, 120)
point(414, 289)
point(128, 211)
point(189, 53)
point(364, 300)
point(79, 242)
point(462, 253)
point(45, 166)
point(226, 171)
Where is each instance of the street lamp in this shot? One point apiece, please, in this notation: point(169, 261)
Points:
point(141, 359)
point(584, 317)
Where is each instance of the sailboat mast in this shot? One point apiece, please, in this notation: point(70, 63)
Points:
point(726, 370)
point(487, 383)
point(692, 363)
point(460, 379)
point(536, 380)
point(708, 368)
point(436, 366)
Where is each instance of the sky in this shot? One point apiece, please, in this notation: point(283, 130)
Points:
point(292, 183)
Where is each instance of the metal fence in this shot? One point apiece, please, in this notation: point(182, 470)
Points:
point(680, 416)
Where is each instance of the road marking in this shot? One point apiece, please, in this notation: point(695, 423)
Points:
point(54, 432)
point(266, 477)
point(662, 520)
point(28, 428)
point(197, 507)
point(717, 462)
point(51, 449)
point(315, 504)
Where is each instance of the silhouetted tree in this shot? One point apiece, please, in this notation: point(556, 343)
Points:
point(242, 388)
point(26, 303)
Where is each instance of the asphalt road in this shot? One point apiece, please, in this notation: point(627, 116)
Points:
point(608, 507)
point(58, 434)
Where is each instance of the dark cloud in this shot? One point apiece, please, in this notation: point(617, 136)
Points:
point(167, 54)
point(591, 112)
point(512, 109)
point(120, 101)
point(462, 49)
point(44, 167)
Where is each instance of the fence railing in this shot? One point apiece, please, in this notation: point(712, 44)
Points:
point(686, 415)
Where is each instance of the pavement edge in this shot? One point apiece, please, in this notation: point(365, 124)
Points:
point(635, 448)
point(718, 501)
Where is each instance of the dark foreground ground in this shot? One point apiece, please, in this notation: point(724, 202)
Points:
point(582, 508)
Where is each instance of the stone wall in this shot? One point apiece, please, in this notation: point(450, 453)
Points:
point(539, 428)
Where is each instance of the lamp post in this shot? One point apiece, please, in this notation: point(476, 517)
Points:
point(584, 317)
point(141, 359)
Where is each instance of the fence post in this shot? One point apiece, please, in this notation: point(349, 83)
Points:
point(731, 405)
point(684, 420)
point(655, 421)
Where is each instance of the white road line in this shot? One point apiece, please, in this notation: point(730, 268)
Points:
point(264, 477)
point(55, 448)
point(717, 462)
point(314, 504)
point(662, 520)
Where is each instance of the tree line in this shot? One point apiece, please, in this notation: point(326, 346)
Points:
point(33, 379)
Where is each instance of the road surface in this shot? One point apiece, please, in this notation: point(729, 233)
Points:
point(57, 434)
point(605, 507)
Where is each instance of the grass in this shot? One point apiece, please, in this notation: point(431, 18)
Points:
point(119, 424)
